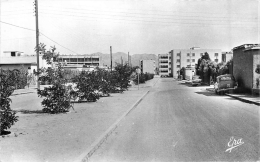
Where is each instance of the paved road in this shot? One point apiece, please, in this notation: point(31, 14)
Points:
point(176, 122)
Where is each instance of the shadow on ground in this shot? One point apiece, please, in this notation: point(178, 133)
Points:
point(30, 111)
point(189, 85)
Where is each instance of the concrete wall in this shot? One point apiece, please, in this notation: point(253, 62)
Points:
point(256, 62)
point(243, 68)
point(148, 66)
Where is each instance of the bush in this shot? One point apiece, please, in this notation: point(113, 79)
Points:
point(122, 76)
point(143, 78)
point(7, 116)
point(87, 85)
point(57, 96)
point(20, 78)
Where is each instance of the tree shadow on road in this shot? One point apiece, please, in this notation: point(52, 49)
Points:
point(189, 85)
point(23, 111)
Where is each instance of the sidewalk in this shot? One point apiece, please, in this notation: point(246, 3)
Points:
point(242, 97)
point(41, 137)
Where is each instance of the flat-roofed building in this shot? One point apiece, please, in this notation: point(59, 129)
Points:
point(147, 66)
point(80, 60)
point(189, 58)
point(227, 56)
point(246, 67)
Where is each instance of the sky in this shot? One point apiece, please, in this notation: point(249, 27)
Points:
point(134, 26)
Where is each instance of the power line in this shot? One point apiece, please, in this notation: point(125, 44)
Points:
point(209, 15)
point(154, 16)
point(17, 26)
point(40, 33)
point(58, 43)
point(168, 22)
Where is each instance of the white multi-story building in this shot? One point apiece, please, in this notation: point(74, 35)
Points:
point(164, 64)
point(189, 57)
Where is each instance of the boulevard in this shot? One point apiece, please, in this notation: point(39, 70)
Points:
point(178, 122)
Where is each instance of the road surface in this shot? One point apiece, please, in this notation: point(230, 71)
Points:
point(176, 122)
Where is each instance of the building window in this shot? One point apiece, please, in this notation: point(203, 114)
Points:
point(178, 54)
point(193, 60)
point(170, 63)
point(216, 54)
point(178, 66)
point(164, 66)
point(188, 54)
point(188, 60)
point(12, 53)
point(216, 60)
point(193, 54)
point(178, 60)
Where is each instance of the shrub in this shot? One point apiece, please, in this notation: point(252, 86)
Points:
point(122, 76)
point(143, 78)
point(7, 116)
point(57, 96)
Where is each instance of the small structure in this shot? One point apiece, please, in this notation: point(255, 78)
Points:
point(246, 66)
point(189, 72)
point(227, 56)
point(147, 66)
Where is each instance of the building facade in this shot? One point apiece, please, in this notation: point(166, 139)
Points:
point(246, 66)
point(80, 60)
point(164, 64)
point(17, 60)
point(189, 58)
point(147, 66)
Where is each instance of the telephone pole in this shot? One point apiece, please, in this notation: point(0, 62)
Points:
point(37, 41)
point(111, 57)
point(128, 59)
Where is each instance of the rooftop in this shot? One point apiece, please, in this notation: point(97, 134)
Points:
point(246, 46)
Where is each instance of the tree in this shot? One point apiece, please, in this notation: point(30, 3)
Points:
point(7, 86)
point(57, 97)
point(204, 68)
point(122, 76)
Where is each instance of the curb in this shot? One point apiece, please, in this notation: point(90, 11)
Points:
point(96, 144)
point(244, 100)
point(238, 98)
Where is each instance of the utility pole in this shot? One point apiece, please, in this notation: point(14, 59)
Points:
point(128, 60)
point(111, 57)
point(121, 60)
point(37, 41)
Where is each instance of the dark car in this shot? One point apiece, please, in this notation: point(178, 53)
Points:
point(224, 83)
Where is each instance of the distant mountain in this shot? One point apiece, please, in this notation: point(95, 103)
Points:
point(116, 57)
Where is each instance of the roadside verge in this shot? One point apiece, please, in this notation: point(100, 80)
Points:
point(95, 145)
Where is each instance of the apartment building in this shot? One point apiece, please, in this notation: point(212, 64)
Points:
point(164, 64)
point(189, 58)
point(147, 66)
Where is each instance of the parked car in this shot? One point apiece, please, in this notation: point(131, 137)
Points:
point(195, 80)
point(224, 83)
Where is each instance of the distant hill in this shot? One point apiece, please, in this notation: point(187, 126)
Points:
point(116, 57)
